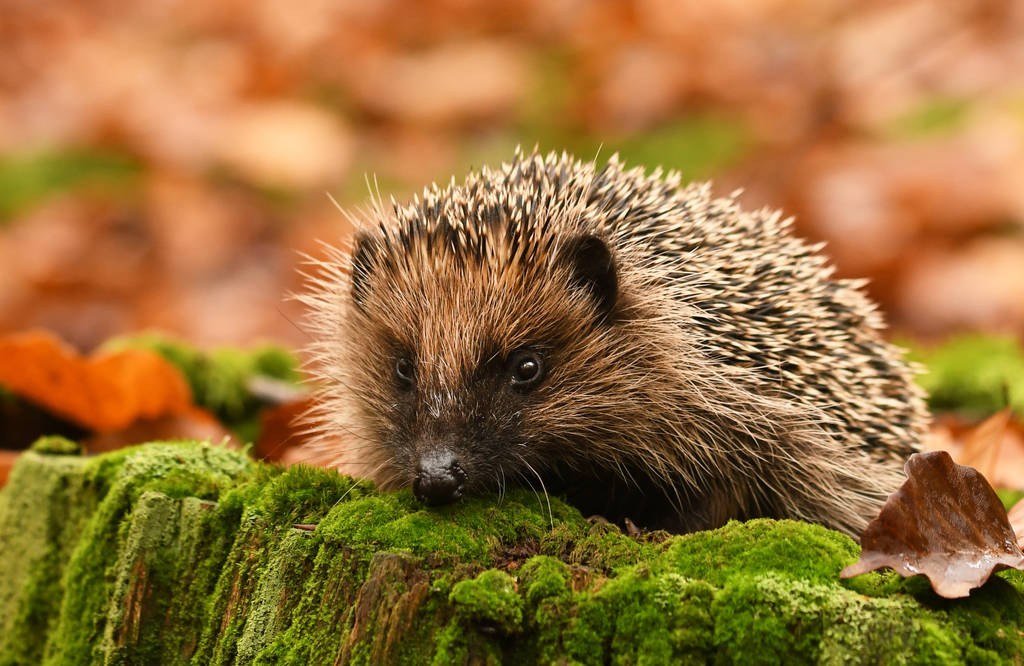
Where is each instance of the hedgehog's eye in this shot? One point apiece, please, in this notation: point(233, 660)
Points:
point(526, 369)
point(405, 372)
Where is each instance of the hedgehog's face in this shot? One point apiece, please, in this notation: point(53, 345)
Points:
point(471, 373)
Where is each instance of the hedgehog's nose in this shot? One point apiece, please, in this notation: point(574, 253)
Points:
point(439, 478)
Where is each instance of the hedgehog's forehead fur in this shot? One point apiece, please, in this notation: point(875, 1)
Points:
point(514, 218)
point(476, 270)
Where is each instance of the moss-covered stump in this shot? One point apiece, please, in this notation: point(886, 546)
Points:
point(188, 553)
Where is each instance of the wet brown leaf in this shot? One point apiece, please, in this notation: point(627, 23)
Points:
point(946, 523)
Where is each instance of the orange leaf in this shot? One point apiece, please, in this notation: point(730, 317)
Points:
point(103, 393)
point(994, 447)
point(981, 451)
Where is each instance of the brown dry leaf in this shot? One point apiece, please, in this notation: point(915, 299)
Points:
point(286, 144)
point(995, 447)
point(458, 82)
point(981, 451)
point(979, 285)
point(945, 522)
point(104, 393)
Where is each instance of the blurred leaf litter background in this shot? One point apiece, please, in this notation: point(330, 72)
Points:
point(163, 164)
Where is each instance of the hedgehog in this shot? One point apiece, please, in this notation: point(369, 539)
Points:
point(640, 347)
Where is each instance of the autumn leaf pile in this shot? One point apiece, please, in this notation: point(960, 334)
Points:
point(161, 164)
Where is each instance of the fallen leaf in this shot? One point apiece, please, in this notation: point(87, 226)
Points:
point(104, 393)
point(945, 522)
point(981, 451)
point(1015, 517)
point(286, 144)
point(977, 286)
point(995, 447)
point(456, 82)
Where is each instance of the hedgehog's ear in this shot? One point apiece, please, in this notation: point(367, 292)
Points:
point(362, 266)
point(593, 270)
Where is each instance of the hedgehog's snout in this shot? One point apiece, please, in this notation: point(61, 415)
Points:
point(440, 478)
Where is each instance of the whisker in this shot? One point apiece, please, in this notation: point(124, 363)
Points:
point(501, 485)
point(526, 480)
point(356, 482)
point(551, 518)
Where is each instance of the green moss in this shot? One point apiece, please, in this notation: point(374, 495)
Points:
point(177, 470)
point(1009, 497)
point(42, 509)
point(323, 612)
point(227, 607)
point(935, 116)
point(976, 374)
point(698, 146)
point(543, 578)
point(304, 494)
point(56, 445)
point(26, 179)
point(991, 618)
point(490, 600)
point(221, 378)
point(604, 547)
point(455, 645)
point(185, 553)
point(275, 599)
point(148, 570)
point(771, 618)
point(545, 584)
point(256, 597)
point(762, 592)
point(206, 534)
point(641, 618)
point(470, 532)
point(804, 551)
point(274, 361)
